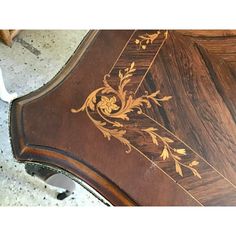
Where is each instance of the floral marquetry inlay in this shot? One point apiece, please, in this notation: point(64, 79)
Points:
point(114, 106)
point(144, 40)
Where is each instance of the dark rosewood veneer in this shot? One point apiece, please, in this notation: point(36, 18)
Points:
point(144, 117)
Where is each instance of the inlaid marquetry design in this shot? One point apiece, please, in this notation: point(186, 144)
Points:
point(191, 134)
point(176, 154)
point(113, 106)
point(144, 40)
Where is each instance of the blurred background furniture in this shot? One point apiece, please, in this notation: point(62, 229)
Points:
point(4, 95)
point(8, 35)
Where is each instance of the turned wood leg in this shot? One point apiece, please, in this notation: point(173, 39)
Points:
point(52, 177)
point(4, 95)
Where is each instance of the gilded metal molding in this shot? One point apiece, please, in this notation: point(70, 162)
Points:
point(114, 106)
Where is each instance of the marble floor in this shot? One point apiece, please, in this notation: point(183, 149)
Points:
point(34, 58)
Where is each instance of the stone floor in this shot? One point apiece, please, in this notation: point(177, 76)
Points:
point(35, 57)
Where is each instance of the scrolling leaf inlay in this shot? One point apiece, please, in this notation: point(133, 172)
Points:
point(112, 112)
point(143, 40)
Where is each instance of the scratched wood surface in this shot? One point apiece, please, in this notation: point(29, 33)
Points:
point(145, 117)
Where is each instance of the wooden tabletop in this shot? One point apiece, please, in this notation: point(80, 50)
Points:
point(144, 117)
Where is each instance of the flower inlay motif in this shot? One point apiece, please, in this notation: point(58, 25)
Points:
point(114, 106)
point(108, 105)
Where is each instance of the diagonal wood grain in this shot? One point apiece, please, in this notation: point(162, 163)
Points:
point(198, 113)
point(196, 68)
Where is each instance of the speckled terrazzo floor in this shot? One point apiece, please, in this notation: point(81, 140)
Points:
point(35, 57)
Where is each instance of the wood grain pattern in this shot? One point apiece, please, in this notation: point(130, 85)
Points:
point(168, 97)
